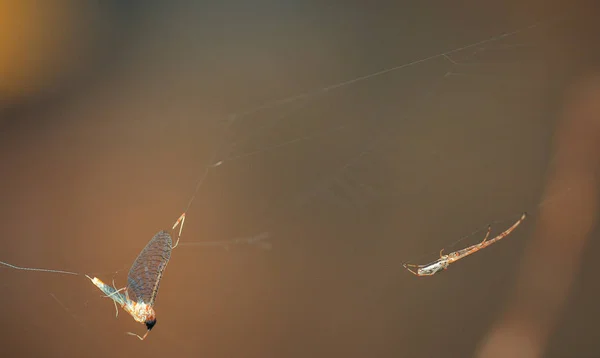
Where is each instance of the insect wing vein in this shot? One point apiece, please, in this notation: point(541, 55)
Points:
point(146, 272)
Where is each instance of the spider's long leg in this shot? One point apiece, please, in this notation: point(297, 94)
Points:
point(407, 266)
point(473, 249)
point(441, 253)
point(411, 265)
point(488, 234)
point(506, 232)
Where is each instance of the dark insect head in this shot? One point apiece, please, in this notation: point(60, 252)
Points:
point(150, 324)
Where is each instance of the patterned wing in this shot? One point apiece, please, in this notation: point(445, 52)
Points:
point(147, 270)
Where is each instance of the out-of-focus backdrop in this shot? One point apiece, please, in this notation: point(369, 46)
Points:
point(109, 113)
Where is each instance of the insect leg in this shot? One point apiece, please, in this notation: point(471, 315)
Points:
point(182, 221)
point(114, 293)
point(115, 302)
point(135, 335)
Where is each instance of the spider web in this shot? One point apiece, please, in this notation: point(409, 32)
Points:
point(352, 183)
point(365, 172)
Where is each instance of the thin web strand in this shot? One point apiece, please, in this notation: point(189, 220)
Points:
point(311, 136)
point(287, 143)
point(294, 98)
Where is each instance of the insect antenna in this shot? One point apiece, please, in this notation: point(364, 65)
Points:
point(39, 269)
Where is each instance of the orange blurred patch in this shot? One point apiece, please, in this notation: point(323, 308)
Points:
point(36, 43)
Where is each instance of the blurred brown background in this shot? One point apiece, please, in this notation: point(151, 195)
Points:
point(109, 111)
